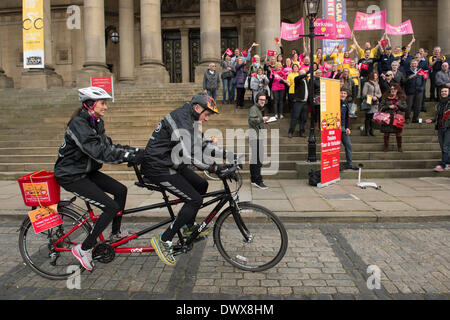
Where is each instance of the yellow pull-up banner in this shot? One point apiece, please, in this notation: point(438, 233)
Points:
point(33, 33)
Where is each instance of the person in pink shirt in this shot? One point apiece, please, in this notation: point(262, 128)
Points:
point(278, 89)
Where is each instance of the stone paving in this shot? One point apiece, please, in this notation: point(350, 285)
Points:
point(323, 261)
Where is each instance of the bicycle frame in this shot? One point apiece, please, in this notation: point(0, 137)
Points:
point(221, 196)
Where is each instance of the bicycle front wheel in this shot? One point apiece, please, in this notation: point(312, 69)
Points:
point(37, 250)
point(252, 239)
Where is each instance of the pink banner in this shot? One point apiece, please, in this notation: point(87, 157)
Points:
point(327, 27)
point(400, 30)
point(343, 30)
point(292, 31)
point(375, 21)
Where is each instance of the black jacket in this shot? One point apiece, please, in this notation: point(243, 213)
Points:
point(177, 141)
point(415, 84)
point(301, 89)
point(85, 149)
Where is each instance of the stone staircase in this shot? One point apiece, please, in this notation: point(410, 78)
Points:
point(33, 123)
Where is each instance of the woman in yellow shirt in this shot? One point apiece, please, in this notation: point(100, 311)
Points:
point(290, 81)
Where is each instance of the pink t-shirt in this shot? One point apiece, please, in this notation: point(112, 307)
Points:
point(278, 84)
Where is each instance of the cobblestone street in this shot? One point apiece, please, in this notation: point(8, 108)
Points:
point(323, 261)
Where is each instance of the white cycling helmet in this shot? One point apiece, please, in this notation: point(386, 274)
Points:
point(92, 93)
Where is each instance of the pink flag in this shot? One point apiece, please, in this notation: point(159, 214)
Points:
point(343, 30)
point(292, 31)
point(400, 30)
point(375, 21)
point(327, 27)
point(229, 52)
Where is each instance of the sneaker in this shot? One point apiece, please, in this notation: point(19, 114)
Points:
point(447, 167)
point(439, 168)
point(84, 257)
point(260, 185)
point(164, 250)
point(118, 236)
point(187, 231)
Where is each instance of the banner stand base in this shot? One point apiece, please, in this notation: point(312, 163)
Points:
point(328, 183)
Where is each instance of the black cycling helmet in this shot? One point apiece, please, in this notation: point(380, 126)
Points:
point(206, 102)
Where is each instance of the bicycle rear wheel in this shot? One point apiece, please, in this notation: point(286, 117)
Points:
point(37, 250)
point(254, 239)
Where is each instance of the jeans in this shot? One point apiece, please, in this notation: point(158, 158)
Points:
point(278, 101)
point(345, 139)
point(212, 93)
point(299, 114)
point(444, 142)
point(232, 90)
point(414, 102)
point(227, 87)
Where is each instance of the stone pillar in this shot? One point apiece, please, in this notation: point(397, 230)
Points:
point(268, 22)
point(209, 36)
point(46, 77)
point(5, 81)
point(393, 17)
point(185, 55)
point(443, 26)
point(126, 31)
point(152, 68)
point(94, 43)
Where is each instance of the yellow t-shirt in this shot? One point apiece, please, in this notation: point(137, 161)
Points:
point(400, 54)
point(290, 80)
point(337, 57)
point(373, 52)
point(354, 75)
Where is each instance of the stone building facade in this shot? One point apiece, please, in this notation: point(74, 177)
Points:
point(174, 40)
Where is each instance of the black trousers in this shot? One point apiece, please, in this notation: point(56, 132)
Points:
point(256, 146)
point(189, 186)
point(93, 189)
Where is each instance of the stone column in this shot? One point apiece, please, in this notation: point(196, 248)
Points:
point(209, 36)
point(185, 55)
point(152, 68)
point(443, 26)
point(5, 81)
point(268, 22)
point(126, 32)
point(94, 43)
point(393, 17)
point(46, 77)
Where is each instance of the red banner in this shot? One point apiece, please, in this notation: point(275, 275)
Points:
point(400, 30)
point(292, 31)
point(375, 21)
point(343, 30)
point(325, 27)
point(330, 117)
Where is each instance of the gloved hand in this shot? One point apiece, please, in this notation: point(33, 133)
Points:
point(134, 157)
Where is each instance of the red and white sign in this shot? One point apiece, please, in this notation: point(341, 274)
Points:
point(106, 83)
point(424, 73)
point(365, 21)
point(292, 31)
point(400, 30)
point(330, 115)
point(229, 52)
point(270, 53)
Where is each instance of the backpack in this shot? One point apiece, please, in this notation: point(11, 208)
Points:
point(314, 178)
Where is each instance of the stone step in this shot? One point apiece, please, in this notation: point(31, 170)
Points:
point(131, 176)
point(285, 156)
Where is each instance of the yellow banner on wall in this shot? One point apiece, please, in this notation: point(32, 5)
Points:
point(33, 33)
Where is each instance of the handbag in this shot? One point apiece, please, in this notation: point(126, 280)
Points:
point(364, 106)
point(399, 121)
point(382, 117)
